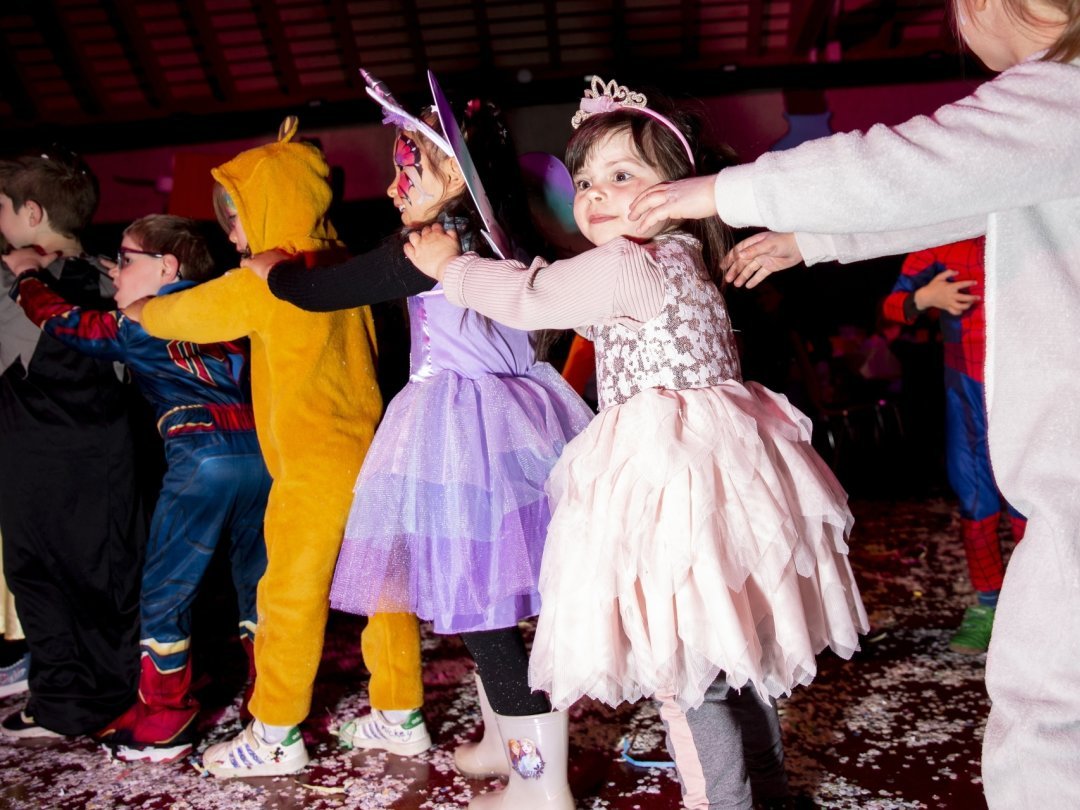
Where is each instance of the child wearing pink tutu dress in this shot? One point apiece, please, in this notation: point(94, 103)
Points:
point(696, 551)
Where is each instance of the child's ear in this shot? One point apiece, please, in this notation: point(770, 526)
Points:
point(33, 212)
point(171, 270)
point(455, 180)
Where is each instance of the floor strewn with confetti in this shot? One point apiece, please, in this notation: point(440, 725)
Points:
point(900, 726)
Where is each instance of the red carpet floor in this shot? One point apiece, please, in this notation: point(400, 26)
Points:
point(900, 726)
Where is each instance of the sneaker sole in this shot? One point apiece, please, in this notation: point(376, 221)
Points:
point(36, 734)
point(9, 689)
point(269, 769)
point(401, 749)
point(159, 756)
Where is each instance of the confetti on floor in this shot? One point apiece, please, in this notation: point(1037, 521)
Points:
point(899, 726)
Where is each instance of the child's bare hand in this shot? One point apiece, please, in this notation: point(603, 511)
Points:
point(757, 257)
point(432, 249)
point(943, 293)
point(261, 263)
point(133, 311)
point(22, 260)
point(691, 198)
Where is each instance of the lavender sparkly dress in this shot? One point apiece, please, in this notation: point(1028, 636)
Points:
point(449, 512)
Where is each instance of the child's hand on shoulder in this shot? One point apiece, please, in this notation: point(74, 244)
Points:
point(22, 260)
point(432, 249)
point(757, 257)
point(944, 293)
point(262, 263)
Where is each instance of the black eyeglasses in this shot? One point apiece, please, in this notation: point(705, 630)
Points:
point(122, 254)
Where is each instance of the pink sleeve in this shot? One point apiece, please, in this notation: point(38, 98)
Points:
point(619, 280)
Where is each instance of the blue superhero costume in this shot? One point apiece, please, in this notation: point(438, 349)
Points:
point(216, 484)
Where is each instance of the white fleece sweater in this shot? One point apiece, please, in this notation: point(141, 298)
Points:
point(1005, 161)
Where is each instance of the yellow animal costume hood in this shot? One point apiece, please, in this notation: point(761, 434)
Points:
point(289, 215)
point(316, 405)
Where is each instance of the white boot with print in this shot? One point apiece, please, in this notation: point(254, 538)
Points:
point(537, 745)
point(487, 757)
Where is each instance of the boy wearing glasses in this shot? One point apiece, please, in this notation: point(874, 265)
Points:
point(215, 484)
point(69, 512)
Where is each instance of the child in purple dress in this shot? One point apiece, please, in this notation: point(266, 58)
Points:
point(450, 514)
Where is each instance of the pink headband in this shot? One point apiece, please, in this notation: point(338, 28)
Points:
point(605, 98)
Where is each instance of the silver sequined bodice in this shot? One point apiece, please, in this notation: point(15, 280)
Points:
point(689, 344)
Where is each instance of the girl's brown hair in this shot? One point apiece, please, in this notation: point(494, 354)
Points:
point(660, 149)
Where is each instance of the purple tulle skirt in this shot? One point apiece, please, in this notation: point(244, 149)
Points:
point(449, 512)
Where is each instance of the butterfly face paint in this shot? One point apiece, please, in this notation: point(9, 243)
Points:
point(409, 162)
point(416, 190)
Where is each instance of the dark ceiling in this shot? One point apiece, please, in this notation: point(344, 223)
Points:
point(104, 74)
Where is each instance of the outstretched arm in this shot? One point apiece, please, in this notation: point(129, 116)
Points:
point(87, 331)
point(381, 274)
point(757, 257)
point(617, 281)
point(979, 155)
point(226, 308)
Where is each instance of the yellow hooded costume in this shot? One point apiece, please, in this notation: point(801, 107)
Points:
point(316, 406)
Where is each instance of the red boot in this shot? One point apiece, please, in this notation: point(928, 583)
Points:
point(159, 728)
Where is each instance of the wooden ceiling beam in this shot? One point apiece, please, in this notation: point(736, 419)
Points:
point(350, 55)
point(14, 83)
point(551, 29)
point(483, 35)
point(691, 29)
point(808, 22)
point(68, 55)
point(201, 29)
point(281, 54)
point(135, 43)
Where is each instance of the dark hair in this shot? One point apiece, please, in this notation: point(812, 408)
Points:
point(60, 182)
point(179, 236)
point(659, 148)
point(493, 153)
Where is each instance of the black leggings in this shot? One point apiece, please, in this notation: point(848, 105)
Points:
point(503, 665)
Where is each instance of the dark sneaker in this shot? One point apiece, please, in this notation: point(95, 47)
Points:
point(973, 637)
point(21, 726)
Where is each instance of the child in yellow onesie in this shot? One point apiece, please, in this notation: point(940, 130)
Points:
point(316, 405)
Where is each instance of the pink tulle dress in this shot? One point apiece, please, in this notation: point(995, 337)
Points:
point(694, 529)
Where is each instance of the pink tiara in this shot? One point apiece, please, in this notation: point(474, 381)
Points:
point(607, 97)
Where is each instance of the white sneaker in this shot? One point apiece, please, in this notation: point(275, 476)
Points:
point(375, 731)
point(248, 755)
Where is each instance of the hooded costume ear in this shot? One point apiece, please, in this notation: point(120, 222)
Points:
point(288, 129)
